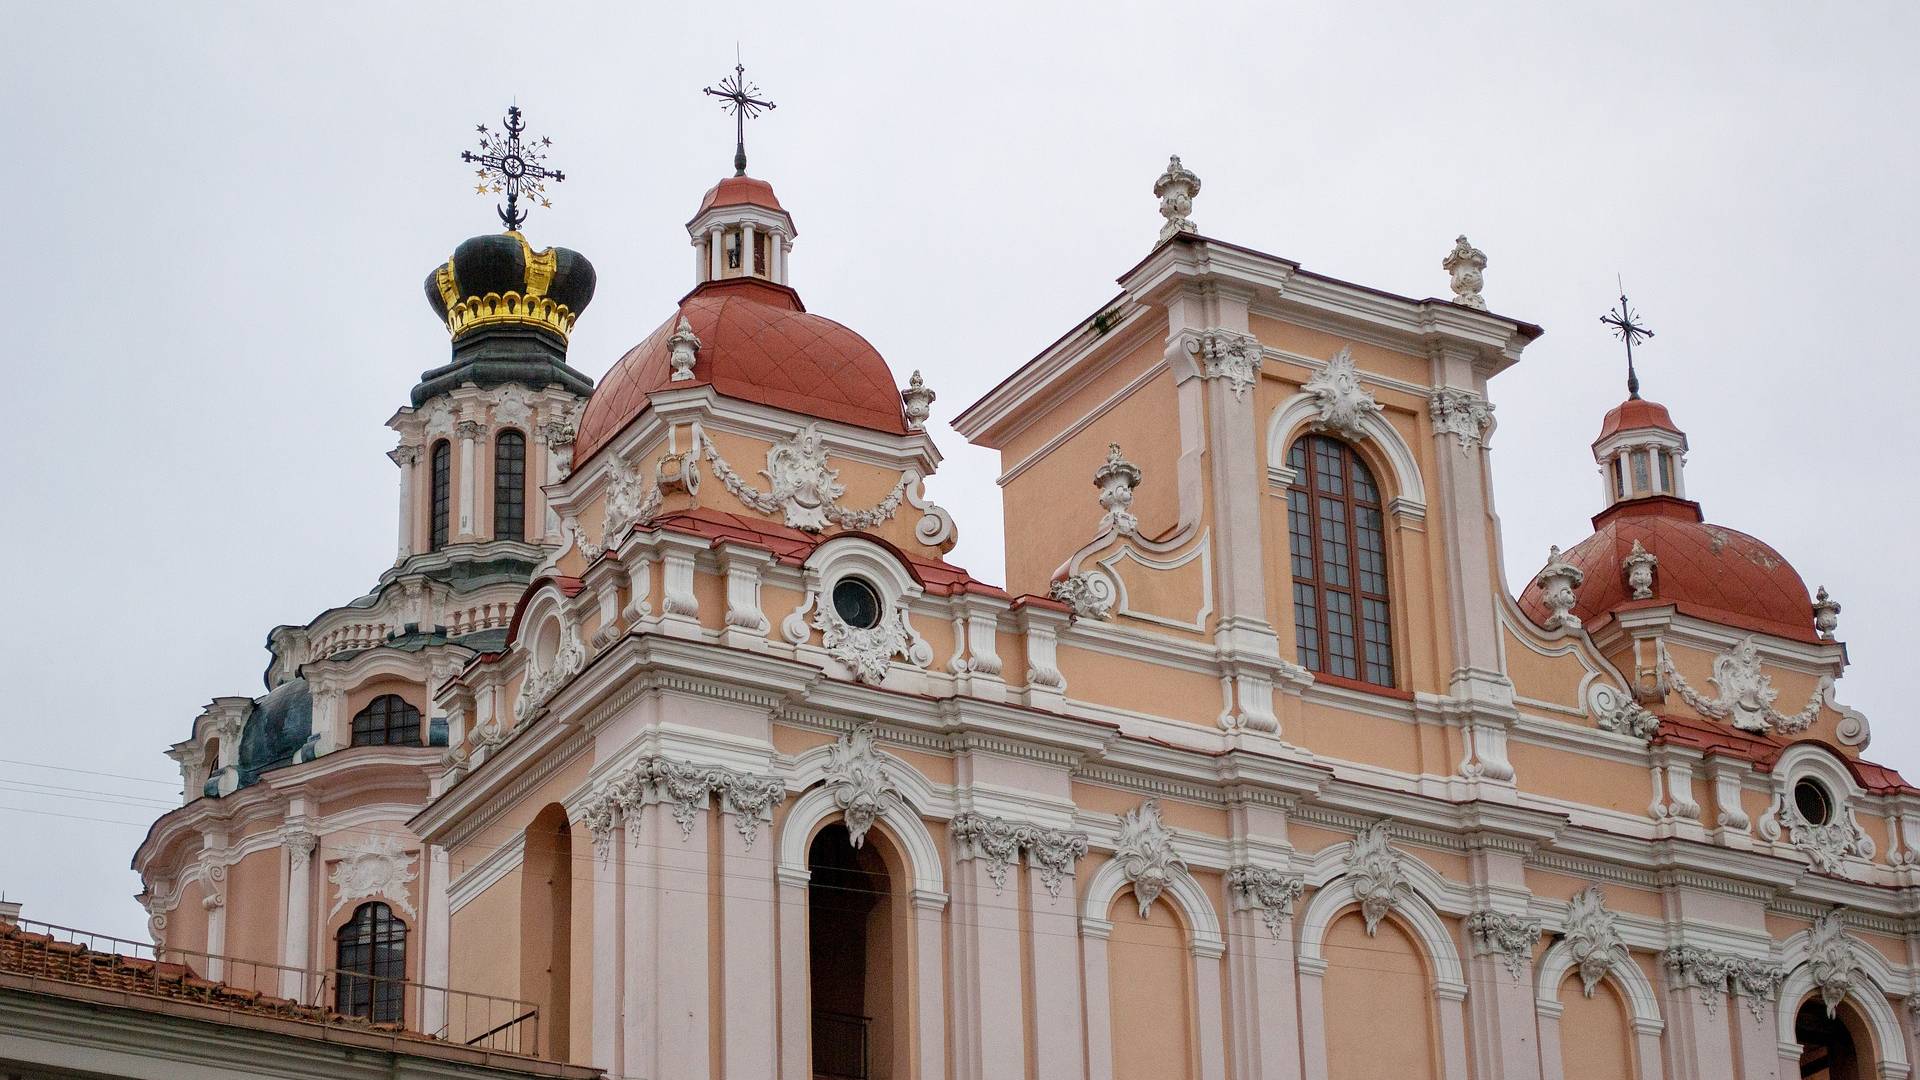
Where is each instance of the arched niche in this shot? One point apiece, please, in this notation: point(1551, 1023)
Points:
point(1555, 968)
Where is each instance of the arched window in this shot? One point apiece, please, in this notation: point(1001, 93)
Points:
point(370, 953)
point(387, 721)
point(442, 493)
point(1337, 536)
point(510, 486)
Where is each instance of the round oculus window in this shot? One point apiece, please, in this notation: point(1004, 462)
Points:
point(1810, 798)
point(857, 603)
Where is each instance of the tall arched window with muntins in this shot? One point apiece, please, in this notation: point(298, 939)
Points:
point(441, 496)
point(1337, 536)
point(510, 486)
point(370, 955)
point(387, 721)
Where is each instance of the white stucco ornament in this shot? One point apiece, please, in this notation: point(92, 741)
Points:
point(1116, 478)
point(1826, 614)
point(1342, 402)
point(682, 346)
point(1826, 846)
point(1462, 414)
point(1702, 969)
point(1639, 566)
point(861, 781)
point(1833, 959)
point(1089, 593)
point(804, 488)
point(1223, 354)
point(1615, 710)
point(917, 401)
point(1379, 881)
point(1557, 583)
point(1467, 265)
point(1745, 693)
point(379, 869)
point(1144, 850)
point(1593, 938)
point(1267, 889)
point(1509, 936)
point(1175, 190)
point(869, 651)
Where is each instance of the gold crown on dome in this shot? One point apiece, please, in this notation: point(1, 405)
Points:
point(529, 305)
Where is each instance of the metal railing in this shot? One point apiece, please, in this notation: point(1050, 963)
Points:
point(369, 1002)
point(840, 1045)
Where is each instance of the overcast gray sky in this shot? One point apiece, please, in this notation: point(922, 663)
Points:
point(219, 217)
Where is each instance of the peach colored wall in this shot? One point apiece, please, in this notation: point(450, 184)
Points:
point(1320, 345)
point(1150, 983)
point(1596, 1042)
point(1353, 736)
point(253, 928)
point(1098, 799)
point(1367, 979)
point(1614, 785)
point(580, 1045)
point(1058, 489)
point(1167, 692)
point(489, 924)
point(1544, 678)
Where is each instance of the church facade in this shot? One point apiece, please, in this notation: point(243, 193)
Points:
point(672, 720)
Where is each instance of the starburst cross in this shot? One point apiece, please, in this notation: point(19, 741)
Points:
point(743, 100)
point(511, 167)
point(1627, 327)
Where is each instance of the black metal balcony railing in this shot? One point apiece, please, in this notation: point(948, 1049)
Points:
point(840, 1045)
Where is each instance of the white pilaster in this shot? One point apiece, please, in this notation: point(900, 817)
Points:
point(746, 249)
point(716, 254)
point(1059, 1040)
point(679, 969)
point(436, 963)
point(406, 457)
point(989, 1007)
point(1209, 1022)
point(1265, 1001)
point(609, 951)
point(796, 991)
point(1094, 934)
point(929, 973)
point(297, 919)
point(748, 1032)
point(469, 432)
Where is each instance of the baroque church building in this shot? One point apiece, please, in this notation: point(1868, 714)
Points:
point(673, 726)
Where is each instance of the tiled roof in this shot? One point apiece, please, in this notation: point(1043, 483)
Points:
point(1706, 571)
point(757, 343)
point(740, 191)
point(1633, 414)
point(41, 956)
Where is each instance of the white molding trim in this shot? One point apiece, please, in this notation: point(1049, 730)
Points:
point(1414, 912)
point(481, 876)
point(1627, 975)
point(904, 828)
point(1292, 417)
point(1196, 910)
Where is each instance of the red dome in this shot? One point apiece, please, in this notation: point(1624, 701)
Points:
point(1705, 571)
point(1633, 414)
point(740, 191)
point(757, 343)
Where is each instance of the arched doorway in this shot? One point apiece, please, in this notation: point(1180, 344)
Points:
point(1833, 1047)
point(857, 923)
point(546, 926)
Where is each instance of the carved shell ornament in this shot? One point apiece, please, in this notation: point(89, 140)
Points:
point(1592, 937)
point(1379, 881)
point(1144, 850)
point(1343, 403)
point(861, 781)
point(378, 869)
point(1833, 959)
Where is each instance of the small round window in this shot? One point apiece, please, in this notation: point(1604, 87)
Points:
point(1810, 798)
point(857, 603)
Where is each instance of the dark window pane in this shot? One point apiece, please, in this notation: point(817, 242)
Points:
point(510, 486)
point(387, 721)
point(441, 497)
point(1336, 539)
point(370, 955)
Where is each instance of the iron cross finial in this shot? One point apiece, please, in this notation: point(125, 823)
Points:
point(1627, 327)
point(512, 167)
point(743, 100)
